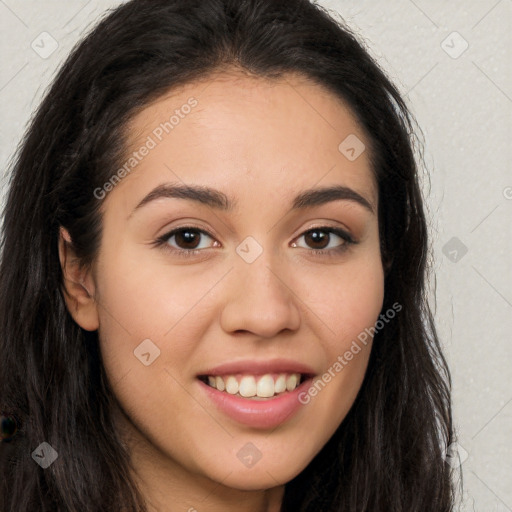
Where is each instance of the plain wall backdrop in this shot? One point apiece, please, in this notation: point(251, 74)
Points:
point(451, 60)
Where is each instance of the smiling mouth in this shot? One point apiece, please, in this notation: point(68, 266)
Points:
point(256, 387)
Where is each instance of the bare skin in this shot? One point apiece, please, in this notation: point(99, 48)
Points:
point(261, 143)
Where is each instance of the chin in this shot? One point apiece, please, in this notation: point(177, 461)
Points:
point(262, 475)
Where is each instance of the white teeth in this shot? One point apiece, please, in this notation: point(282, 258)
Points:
point(266, 387)
point(247, 387)
point(232, 385)
point(219, 384)
point(280, 384)
point(251, 386)
point(291, 382)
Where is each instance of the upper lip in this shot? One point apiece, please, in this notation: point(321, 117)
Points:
point(257, 367)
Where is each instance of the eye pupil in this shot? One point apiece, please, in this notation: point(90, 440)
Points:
point(316, 238)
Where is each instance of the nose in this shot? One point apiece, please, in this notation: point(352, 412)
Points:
point(259, 300)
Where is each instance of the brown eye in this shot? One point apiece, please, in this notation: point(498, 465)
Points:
point(320, 238)
point(317, 239)
point(186, 240)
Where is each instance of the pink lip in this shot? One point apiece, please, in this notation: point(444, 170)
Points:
point(259, 367)
point(261, 414)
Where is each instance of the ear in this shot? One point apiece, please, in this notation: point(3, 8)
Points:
point(78, 287)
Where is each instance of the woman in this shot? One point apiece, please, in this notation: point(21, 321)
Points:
point(213, 275)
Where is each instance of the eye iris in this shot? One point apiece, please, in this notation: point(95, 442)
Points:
point(316, 237)
point(187, 237)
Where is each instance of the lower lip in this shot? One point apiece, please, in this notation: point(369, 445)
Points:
point(262, 414)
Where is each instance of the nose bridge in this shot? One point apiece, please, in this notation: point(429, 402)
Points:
point(259, 299)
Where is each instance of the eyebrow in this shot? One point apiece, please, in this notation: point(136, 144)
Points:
point(218, 200)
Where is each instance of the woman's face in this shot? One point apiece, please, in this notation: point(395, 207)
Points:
point(248, 295)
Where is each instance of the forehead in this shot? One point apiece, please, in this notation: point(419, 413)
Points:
point(247, 135)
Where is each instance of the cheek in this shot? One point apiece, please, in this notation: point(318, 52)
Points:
point(146, 339)
point(347, 298)
point(145, 297)
point(147, 309)
point(348, 306)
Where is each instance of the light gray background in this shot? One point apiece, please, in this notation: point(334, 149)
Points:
point(464, 105)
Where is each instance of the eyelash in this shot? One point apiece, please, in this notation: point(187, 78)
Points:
point(187, 253)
